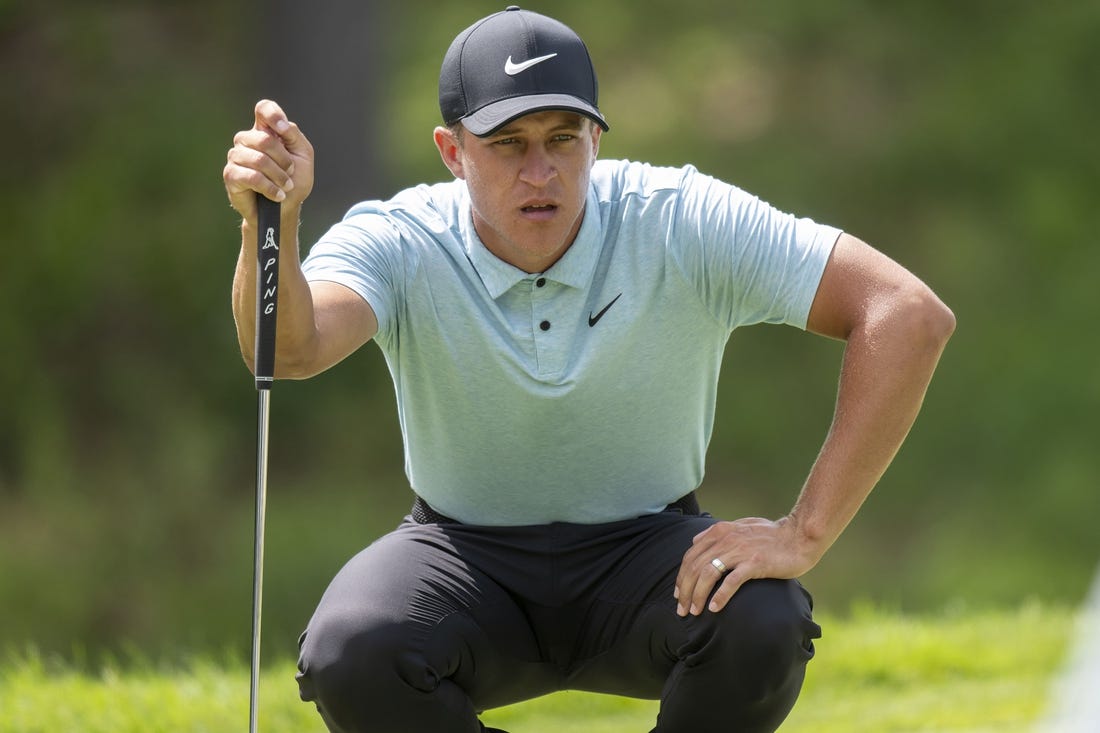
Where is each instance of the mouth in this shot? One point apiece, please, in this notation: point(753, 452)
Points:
point(538, 211)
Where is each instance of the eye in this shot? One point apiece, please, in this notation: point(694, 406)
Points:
point(504, 141)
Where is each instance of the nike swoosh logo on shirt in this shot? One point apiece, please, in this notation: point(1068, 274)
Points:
point(511, 69)
point(594, 319)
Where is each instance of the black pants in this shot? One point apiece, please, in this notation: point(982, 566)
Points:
point(438, 621)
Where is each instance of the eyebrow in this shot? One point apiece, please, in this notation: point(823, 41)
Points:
point(570, 125)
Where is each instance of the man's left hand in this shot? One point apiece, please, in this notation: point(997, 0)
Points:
point(744, 549)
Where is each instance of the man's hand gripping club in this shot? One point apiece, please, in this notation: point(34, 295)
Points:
point(273, 159)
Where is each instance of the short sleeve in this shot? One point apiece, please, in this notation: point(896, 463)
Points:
point(750, 262)
point(364, 253)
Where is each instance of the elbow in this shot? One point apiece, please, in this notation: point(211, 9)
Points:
point(940, 320)
point(930, 322)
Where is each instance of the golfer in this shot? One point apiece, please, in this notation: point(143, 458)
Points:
point(554, 326)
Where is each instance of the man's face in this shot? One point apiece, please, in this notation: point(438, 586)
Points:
point(527, 183)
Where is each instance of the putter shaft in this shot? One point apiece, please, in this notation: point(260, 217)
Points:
point(258, 554)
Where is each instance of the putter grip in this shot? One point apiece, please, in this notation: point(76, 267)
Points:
point(267, 289)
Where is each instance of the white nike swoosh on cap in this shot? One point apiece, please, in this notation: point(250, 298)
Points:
point(511, 69)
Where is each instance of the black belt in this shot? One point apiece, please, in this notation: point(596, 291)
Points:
point(422, 512)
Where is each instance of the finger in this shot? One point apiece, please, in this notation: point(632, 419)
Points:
point(263, 152)
point(268, 143)
point(263, 177)
point(695, 568)
point(271, 117)
point(726, 590)
point(241, 182)
point(241, 197)
point(685, 585)
point(270, 166)
point(707, 576)
point(242, 189)
point(696, 579)
point(295, 142)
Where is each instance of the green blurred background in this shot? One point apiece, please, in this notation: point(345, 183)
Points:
point(958, 137)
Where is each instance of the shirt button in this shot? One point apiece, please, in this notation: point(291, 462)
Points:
point(540, 282)
point(545, 325)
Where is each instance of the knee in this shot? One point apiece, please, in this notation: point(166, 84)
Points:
point(357, 675)
point(773, 614)
point(764, 636)
point(751, 655)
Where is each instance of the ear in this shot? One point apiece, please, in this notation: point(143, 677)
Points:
point(597, 133)
point(450, 151)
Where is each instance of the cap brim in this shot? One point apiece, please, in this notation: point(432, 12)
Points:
point(492, 117)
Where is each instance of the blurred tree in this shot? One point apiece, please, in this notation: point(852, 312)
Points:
point(323, 63)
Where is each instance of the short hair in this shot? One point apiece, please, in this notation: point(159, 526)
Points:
point(458, 130)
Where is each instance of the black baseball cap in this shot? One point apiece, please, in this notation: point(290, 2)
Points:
point(513, 63)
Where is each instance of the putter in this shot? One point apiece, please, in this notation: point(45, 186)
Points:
point(267, 289)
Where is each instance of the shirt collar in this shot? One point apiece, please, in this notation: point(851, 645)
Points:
point(574, 269)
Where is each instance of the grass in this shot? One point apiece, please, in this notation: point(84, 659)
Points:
point(875, 671)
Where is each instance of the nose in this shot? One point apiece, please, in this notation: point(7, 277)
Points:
point(538, 167)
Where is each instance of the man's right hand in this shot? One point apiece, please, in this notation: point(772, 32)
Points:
point(273, 158)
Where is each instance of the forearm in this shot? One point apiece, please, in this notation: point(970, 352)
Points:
point(888, 364)
point(296, 339)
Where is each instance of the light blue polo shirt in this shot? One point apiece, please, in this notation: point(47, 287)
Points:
point(585, 393)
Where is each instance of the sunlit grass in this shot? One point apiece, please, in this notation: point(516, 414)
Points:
point(875, 671)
